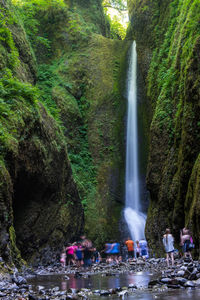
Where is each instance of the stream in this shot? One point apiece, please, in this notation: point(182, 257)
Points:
point(100, 282)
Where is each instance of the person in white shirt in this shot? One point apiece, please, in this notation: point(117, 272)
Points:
point(168, 242)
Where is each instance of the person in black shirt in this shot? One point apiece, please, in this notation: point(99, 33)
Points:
point(87, 253)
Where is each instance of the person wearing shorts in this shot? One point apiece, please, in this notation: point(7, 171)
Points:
point(130, 247)
point(168, 242)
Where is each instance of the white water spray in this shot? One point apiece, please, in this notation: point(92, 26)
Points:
point(133, 215)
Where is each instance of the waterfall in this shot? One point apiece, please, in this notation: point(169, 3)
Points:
point(134, 217)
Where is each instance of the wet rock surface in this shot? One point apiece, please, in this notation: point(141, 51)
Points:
point(184, 275)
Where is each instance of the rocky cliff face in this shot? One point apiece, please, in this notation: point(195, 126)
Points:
point(38, 195)
point(172, 82)
point(62, 136)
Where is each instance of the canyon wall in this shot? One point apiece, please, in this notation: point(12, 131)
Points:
point(168, 36)
point(62, 128)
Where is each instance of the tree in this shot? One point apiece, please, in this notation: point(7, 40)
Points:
point(120, 5)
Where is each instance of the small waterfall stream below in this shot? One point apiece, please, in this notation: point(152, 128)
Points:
point(134, 216)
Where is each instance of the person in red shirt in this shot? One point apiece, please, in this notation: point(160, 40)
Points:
point(130, 247)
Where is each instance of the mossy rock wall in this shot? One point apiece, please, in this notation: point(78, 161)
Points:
point(88, 83)
point(38, 195)
point(173, 89)
point(62, 113)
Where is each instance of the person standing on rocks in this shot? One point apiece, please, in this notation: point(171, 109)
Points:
point(137, 249)
point(70, 249)
point(130, 247)
point(107, 252)
point(168, 242)
point(185, 238)
point(144, 249)
point(63, 258)
point(115, 251)
point(87, 253)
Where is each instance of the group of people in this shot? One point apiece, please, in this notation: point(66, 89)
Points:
point(137, 249)
point(186, 243)
point(80, 253)
point(83, 253)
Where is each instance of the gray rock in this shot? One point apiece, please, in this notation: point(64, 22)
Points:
point(104, 293)
point(132, 286)
point(140, 262)
point(55, 289)
point(173, 286)
point(68, 296)
point(85, 290)
point(197, 282)
point(21, 280)
point(189, 284)
point(96, 292)
point(2, 294)
point(82, 295)
point(180, 280)
point(122, 293)
point(193, 276)
point(181, 273)
point(166, 280)
point(73, 291)
point(190, 268)
point(40, 287)
point(198, 268)
point(153, 283)
point(13, 287)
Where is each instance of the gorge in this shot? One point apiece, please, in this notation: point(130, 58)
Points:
point(63, 114)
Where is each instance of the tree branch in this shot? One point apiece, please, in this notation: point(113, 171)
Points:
point(110, 6)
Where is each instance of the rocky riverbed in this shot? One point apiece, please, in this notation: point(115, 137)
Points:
point(154, 277)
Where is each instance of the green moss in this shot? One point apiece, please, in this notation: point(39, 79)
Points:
point(75, 110)
point(15, 253)
point(172, 87)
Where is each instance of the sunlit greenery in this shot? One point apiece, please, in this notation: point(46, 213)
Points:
point(43, 3)
point(117, 14)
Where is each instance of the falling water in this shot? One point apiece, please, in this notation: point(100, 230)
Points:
point(133, 215)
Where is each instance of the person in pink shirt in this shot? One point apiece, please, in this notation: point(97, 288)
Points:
point(70, 249)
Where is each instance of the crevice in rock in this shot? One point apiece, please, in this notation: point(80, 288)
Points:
point(30, 198)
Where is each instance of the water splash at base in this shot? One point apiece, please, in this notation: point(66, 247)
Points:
point(136, 223)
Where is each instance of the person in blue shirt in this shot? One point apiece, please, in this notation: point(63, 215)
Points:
point(144, 248)
point(115, 251)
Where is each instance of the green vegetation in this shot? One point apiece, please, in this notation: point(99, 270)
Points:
point(170, 64)
point(115, 12)
point(173, 88)
point(119, 5)
point(12, 91)
point(60, 96)
point(17, 259)
point(51, 76)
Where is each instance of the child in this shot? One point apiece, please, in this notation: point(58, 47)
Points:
point(79, 255)
point(96, 256)
point(63, 258)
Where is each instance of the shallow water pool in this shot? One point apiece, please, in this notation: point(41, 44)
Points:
point(102, 282)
